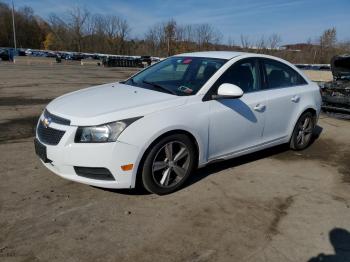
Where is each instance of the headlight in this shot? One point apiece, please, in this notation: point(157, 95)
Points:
point(104, 133)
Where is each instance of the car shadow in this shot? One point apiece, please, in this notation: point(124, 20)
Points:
point(240, 108)
point(216, 167)
point(213, 168)
point(340, 240)
point(138, 191)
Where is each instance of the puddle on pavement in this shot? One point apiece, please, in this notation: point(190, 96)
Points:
point(280, 211)
point(344, 166)
point(16, 101)
point(18, 128)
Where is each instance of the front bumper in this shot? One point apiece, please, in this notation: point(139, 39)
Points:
point(66, 155)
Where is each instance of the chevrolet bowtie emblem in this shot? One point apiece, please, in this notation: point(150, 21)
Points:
point(46, 122)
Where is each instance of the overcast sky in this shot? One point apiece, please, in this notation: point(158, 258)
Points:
point(294, 20)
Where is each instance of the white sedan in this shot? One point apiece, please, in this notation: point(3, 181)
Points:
point(182, 113)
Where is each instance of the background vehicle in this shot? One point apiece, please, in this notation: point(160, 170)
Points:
point(336, 94)
point(122, 62)
point(174, 116)
point(4, 55)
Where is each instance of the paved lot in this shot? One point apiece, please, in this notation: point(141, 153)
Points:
point(276, 205)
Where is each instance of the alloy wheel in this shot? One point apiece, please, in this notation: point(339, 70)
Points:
point(304, 132)
point(171, 164)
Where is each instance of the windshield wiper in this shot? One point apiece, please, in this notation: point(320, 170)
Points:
point(159, 87)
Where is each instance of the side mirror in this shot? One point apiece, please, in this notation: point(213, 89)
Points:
point(228, 91)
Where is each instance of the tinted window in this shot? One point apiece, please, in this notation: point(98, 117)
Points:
point(281, 75)
point(244, 73)
point(178, 75)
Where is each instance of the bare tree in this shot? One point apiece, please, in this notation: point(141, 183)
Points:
point(95, 39)
point(60, 30)
point(169, 35)
point(230, 42)
point(328, 38)
point(261, 44)
point(245, 42)
point(274, 41)
point(204, 35)
point(81, 31)
point(188, 32)
point(327, 44)
point(153, 39)
point(77, 21)
point(122, 34)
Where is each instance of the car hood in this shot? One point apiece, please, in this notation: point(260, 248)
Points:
point(340, 66)
point(111, 102)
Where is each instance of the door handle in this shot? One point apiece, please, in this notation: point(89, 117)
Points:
point(259, 107)
point(295, 99)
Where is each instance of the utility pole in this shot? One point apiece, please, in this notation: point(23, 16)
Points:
point(168, 45)
point(14, 31)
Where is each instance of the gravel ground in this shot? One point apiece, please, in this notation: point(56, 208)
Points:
point(275, 205)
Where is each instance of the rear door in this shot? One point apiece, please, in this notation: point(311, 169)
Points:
point(283, 87)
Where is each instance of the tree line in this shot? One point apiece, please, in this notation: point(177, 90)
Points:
point(82, 31)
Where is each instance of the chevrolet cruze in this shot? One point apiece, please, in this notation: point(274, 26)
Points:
point(182, 113)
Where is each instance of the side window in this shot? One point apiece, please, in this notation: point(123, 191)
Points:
point(244, 73)
point(281, 75)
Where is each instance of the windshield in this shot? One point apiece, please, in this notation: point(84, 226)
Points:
point(180, 76)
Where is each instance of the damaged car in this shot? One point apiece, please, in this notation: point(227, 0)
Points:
point(336, 94)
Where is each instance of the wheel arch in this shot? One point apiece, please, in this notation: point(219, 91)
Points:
point(311, 109)
point(165, 134)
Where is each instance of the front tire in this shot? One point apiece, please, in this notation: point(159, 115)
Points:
point(302, 132)
point(168, 164)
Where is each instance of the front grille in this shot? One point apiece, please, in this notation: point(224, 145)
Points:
point(99, 173)
point(56, 119)
point(48, 135)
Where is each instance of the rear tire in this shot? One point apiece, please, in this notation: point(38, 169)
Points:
point(303, 131)
point(168, 164)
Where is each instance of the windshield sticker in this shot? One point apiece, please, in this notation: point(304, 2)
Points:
point(185, 89)
point(187, 61)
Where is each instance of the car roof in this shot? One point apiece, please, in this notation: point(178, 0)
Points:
point(215, 54)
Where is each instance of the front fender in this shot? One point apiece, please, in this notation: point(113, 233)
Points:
point(192, 118)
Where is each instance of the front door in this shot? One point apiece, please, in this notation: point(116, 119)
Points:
point(237, 124)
